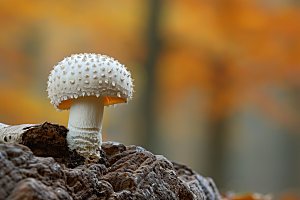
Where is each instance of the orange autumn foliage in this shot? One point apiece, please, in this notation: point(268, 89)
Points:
point(233, 50)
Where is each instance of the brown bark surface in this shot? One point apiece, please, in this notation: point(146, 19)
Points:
point(46, 169)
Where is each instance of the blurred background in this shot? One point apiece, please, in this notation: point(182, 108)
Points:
point(217, 82)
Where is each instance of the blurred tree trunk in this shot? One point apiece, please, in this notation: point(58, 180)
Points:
point(296, 156)
point(217, 121)
point(154, 45)
point(216, 151)
point(227, 10)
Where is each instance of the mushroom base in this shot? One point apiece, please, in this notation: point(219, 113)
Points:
point(85, 124)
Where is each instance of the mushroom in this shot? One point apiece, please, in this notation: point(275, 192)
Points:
point(84, 84)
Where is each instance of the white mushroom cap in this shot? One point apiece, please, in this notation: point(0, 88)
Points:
point(92, 75)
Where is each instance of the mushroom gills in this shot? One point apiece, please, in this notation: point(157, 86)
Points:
point(107, 101)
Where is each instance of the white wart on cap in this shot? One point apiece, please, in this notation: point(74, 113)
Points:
point(89, 74)
point(85, 83)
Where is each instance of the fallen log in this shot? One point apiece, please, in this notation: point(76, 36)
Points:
point(35, 163)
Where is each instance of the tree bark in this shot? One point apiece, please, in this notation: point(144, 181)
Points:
point(39, 171)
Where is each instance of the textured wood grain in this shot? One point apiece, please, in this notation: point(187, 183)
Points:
point(125, 172)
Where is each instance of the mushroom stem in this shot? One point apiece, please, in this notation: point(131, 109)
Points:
point(85, 124)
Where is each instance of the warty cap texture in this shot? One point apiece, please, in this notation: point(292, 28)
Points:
point(89, 74)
